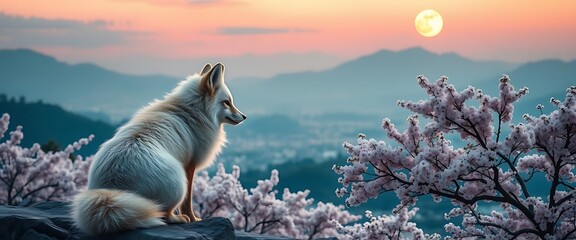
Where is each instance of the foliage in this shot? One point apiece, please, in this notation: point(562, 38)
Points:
point(487, 165)
point(30, 175)
point(258, 209)
point(51, 145)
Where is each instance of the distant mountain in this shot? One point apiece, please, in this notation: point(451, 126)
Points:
point(78, 87)
point(544, 79)
point(370, 84)
point(43, 122)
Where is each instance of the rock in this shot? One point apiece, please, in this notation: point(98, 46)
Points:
point(50, 220)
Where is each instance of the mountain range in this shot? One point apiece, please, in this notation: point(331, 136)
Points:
point(77, 87)
point(370, 84)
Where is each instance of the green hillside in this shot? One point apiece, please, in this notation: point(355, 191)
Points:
point(43, 122)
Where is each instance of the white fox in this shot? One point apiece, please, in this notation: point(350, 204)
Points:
point(146, 171)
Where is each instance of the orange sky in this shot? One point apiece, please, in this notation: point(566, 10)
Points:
point(511, 30)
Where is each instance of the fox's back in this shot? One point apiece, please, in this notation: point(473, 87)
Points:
point(138, 166)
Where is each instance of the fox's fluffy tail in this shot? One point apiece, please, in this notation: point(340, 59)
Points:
point(106, 211)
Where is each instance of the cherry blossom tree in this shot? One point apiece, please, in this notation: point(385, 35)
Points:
point(258, 210)
point(487, 165)
point(29, 175)
point(396, 226)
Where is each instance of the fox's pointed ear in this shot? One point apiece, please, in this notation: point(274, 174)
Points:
point(206, 69)
point(211, 81)
point(217, 75)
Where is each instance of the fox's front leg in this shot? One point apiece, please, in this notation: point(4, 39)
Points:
point(187, 203)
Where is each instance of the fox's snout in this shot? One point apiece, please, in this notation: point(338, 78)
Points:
point(236, 117)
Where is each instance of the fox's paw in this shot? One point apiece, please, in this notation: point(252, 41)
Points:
point(193, 217)
point(177, 219)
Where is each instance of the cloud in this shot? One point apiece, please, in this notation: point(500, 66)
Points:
point(17, 31)
point(205, 1)
point(16, 22)
point(213, 2)
point(187, 3)
point(257, 30)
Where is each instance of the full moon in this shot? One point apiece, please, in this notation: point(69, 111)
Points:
point(429, 23)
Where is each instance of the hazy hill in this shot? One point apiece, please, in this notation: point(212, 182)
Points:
point(43, 122)
point(370, 84)
point(546, 76)
point(382, 76)
point(544, 79)
point(78, 87)
point(367, 85)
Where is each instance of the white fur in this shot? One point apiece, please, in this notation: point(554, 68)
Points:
point(104, 211)
point(145, 161)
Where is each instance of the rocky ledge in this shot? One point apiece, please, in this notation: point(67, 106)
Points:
point(50, 220)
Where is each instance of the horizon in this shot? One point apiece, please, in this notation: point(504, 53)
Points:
point(265, 38)
point(243, 77)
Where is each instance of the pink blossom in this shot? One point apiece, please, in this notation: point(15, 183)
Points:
point(396, 226)
point(489, 164)
point(29, 175)
point(259, 210)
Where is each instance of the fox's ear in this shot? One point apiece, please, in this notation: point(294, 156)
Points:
point(211, 81)
point(206, 69)
point(217, 75)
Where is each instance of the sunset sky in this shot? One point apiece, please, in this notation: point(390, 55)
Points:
point(265, 37)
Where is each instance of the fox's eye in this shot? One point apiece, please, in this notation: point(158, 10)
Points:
point(226, 102)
